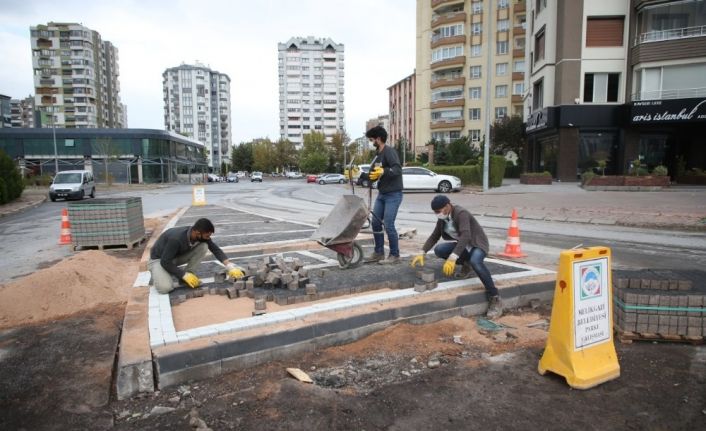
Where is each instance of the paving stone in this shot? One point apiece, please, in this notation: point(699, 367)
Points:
point(310, 289)
point(258, 312)
point(664, 285)
point(684, 284)
point(260, 304)
point(293, 285)
point(232, 293)
point(428, 276)
point(635, 283)
point(683, 303)
point(299, 299)
point(673, 285)
point(212, 291)
point(420, 287)
point(239, 285)
point(432, 285)
point(645, 284)
point(622, 283)
point(250, 284)
point(198, 293)
point(312, 296)
point(653, 324)
point(695, 326)
point(664, 302)
point(219, 277)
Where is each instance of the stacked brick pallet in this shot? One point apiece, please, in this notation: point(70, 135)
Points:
point(659, 309)
point(107, 222)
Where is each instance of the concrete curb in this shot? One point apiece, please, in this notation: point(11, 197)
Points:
point(23, 208)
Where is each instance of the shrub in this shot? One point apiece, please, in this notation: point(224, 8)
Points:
point(660, 171)
point(586, 176)
point(635, 167)
point(14, 185)
point(3, 192)
point(473, 174)
point(470, 162)
point(512, 170)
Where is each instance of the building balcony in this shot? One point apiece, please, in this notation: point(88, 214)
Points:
point(518, 30)
point(516, 98)
point(447, 124)
point(681, 93)
point(451, 40)
point(436, 3)
point(518, 76)
point(518, 53)
point(449, 63)
point(519, 6)
point(448, 19)
point(447, 103)
point(448, 82)
point(677, 33)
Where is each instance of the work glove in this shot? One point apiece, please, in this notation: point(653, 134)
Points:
point(418, 259)
point(376, 173)
point(450, 265)
point(191, 280)
point(234, 272)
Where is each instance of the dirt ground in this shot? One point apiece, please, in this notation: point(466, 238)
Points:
point(55, 374)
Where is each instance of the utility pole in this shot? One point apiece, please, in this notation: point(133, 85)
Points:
point(53, 132)
point(488, 80)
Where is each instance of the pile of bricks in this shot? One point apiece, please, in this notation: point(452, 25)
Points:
point(106, 222)
point(666, 309)
point(273, 272)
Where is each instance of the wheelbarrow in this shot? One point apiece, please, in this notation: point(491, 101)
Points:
point(340, 228)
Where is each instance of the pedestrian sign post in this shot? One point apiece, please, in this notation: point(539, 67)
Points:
point(580, 344)
point(199, 196)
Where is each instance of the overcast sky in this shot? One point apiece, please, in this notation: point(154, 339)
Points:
point(235, 37)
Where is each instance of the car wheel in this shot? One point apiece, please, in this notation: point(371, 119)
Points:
point(340, 181)
point(53, 199)
point(322, 182)
point(93, 193)
point(444, 187)
point(366, 183)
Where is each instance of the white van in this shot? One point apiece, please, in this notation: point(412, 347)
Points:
point(72, 185)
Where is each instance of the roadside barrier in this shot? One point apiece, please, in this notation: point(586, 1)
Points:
point(512, 245)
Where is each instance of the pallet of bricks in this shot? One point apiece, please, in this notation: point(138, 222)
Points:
point(107, 222)
point(669, 310)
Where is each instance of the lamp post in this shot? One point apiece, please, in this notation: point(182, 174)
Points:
point(53, 132)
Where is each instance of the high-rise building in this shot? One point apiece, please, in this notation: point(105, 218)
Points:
point(401, 116)
point(5, 112)
point(23, 112)
point(467, 51)
point(380, 120)
point(197, 105)
point(311, 88)
point(75, 77)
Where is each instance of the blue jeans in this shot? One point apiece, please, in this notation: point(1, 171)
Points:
point(475, 258)
point(385, 209)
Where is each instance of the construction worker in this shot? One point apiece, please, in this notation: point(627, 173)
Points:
point(467, 244)
point(185, 245)
point(387, 171)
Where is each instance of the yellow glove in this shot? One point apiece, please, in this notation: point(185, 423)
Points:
point(192, 280)
point(234, 272)
point(376, 173)
point(418, 259)
point(450, 265)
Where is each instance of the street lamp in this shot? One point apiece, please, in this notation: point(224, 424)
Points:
point(53, 132)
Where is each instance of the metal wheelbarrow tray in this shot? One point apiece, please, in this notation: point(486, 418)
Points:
point(340, 228)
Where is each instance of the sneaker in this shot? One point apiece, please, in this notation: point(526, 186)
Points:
point(495, 308)
point(390, 260)
point(465, 272)
point(375, 257)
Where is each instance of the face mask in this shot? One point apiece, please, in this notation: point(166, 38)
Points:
point(442, 216)
point(374, 144)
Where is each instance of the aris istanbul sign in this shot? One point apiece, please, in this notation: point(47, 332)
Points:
point(668, 111)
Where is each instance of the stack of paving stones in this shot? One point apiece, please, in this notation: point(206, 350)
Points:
point(659, 309)
point(106, 222)
point(426, 280)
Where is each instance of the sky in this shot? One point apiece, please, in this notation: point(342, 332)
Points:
point(235, 37)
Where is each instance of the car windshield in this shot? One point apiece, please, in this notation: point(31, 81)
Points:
point(71, 178)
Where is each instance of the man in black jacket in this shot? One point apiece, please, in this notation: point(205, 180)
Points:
point(185, 245)
point(467, 244)
point(387, 171)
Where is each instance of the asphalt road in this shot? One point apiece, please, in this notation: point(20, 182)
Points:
point(30, 239)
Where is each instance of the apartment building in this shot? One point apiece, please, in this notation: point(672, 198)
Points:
point(5, 112)
point(76, 77)
point(311, 88)
point(380, 120)
point(615, 81)
point(468, 51)
point(22, 112)
point(197, 105)
point(401, 96)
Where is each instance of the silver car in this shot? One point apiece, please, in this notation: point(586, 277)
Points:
point(331, 179)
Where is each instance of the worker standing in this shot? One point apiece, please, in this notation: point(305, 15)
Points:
point(185, 245)
point(387, 171)
point(467, 243)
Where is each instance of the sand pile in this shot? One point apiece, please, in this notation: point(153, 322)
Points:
point(78, 283)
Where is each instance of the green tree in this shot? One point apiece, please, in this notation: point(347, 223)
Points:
point(262, 155)
point(335, 153)
point(314, 155)
point(507, 135)
point(285, 154)
point(461, 150)
point(242, 157)
point(224, 169)
point(11, 184)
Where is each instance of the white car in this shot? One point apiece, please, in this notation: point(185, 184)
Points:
point(416, 178)
point(256, 176)
point(294, 175)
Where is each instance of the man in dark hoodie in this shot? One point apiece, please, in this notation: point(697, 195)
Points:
point(185, 245)
point(387, 171)
point(466, 244)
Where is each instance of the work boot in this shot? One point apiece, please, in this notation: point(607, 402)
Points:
point(390, 260)
point(375, 257)
point(465, 272)
point(495, 307)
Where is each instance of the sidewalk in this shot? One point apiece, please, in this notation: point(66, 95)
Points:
point(31, 197)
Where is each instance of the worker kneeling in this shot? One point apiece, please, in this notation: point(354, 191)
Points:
point(185, 245)
point(467, 244)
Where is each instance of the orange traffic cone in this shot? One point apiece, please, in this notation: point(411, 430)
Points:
point(512, 246)
point(65, 238)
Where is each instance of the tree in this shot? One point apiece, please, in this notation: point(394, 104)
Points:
point(242, 157)
point(335, 153)
point(11, 184)
point(460, 150)
point(109, 151)
point(224, 169)
point(285, 154)
point(507, 135)
point(262, 155)
point(314, 154)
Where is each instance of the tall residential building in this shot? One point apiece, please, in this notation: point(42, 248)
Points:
point(5, 112)
point(75, 77)
point(380, 120)
point(311, 88)
point(23, 113)
point(197, 104)
point(464, 48)
point(401, 116)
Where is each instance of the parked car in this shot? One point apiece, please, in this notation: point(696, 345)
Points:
point(72, 185)
point(213, 178)
point(331, 179)
point(311, 178)
point(362, 179)
point(256, 176)
point(416, 178)
point(294, 175)
point(240, 174)
point(232, 178)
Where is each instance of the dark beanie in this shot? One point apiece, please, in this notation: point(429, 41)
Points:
point(439, 202)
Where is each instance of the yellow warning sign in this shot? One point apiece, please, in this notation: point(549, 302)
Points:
point(199, 196)
point(580, 344)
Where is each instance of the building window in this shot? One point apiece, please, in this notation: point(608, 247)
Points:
point(670, 20)
point(500, 113)
point(518, 66)
point(502, 47)
point(539, 46)
point(474, 114)
point(503, 24)
point(474, 134)
point(501, 69)
point(518, 88)
point(475, 72)
point(500, 91)
point(476, 28)
point(601, 87)
point(474, 93)
point(670, 82)
point(444, 53)
point(475, 50)
point(446, 115)
point(538, 95)
point(601, 31)
point(477, 8)
point(446, 94)
point(503, 4)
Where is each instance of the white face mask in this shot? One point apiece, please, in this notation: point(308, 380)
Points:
point(442, 216)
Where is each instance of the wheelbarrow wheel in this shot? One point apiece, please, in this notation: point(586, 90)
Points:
point(355, 260)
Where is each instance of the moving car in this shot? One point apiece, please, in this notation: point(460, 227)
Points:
point(232, 178)
point(416, 178)
point(311, 178)
point(72, 185)
point(256, 176)
point(331, 178)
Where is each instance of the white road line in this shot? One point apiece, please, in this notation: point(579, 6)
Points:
point(261, 233)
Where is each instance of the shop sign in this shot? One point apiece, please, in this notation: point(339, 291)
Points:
point(538, 120)
point(668, 111)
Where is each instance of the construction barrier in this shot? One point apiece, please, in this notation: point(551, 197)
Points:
point(65, 235)
point(198, 196)
point(512, 245)
point(580, 344)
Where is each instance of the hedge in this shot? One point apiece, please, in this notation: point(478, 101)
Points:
point(12, 184)
point(473, 175)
